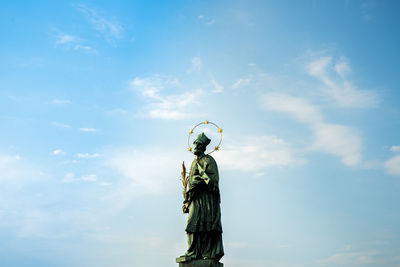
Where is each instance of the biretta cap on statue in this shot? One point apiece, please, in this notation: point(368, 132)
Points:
point(202, 138)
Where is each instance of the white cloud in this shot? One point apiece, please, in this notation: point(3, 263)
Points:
point(16, 172)
point(89, 178)
point(342, 67)
point(395, 149)
point(242, 16)
point(211, 22)
point(174, 107)
point(243, 82)
point(217, 87)
point(85, 129)
point(392, 165)
point(148, 171)
point(109, 28)
point(256, 153)
point(339, 140)
point(88, 155)
point(197, 64)
point(63, 39)
point(152, 86)
point(72, 42)
point(339, 89)
point(367, 9)
point(296, 107)
point(318, 67)
point(71, 178)
point(161, 105)
point(85, 48)
point(60, 125)
point(207, 21)
point(8, 168)
point(58, 152)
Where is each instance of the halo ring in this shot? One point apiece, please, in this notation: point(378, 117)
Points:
point(206, 123)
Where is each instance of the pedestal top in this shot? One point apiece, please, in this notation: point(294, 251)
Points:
point(188, 262)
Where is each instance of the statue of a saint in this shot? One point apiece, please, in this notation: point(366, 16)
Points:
point(202, 203)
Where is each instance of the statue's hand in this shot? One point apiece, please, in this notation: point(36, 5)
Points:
point(185, 207)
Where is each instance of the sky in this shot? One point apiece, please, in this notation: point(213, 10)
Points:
point(97, 99)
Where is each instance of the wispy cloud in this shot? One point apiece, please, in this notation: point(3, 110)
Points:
point(342, 67)
point(335, 139)
point(64, 38)
point(60, 125)
point(243, 82)
point(242, 16)
point(256, 153)
point(217, 87)
point(85, 48)
point(138, 174)
point(339, 140)
point(88, 155)
point(197, 64)
point(9, 168)
point(110, 28)
point(395, 149)
point(392, 166)
point(339, 88)
point(89, 178)
point(71, 177)
point(210, 22)
point(297, 107)
point(162, 105)
point(206, 20)
point(58, 152)
point(85, 129)
point(367, 10)
point(73, 42)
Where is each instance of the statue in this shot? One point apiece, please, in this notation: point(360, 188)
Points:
point(202, 203)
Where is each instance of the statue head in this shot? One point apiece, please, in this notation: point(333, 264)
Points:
point(200, 144)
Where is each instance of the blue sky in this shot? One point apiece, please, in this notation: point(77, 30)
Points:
point(97, 99)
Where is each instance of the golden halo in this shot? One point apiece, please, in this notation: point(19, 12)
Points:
point(205, 122)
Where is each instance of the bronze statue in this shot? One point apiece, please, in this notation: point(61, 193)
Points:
point(202, 203)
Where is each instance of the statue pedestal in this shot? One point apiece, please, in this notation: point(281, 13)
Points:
point(187, 262)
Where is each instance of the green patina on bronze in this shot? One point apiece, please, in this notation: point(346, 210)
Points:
point(202, 203)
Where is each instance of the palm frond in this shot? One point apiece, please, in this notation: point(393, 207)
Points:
point(185, 179)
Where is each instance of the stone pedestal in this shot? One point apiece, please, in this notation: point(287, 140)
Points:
point(187, 262)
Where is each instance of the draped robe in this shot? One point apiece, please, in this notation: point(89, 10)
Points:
point(204, 228)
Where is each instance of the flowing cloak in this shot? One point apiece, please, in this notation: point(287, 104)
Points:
point(203, 197)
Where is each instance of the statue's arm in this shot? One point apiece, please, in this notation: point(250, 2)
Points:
point(185, 207)
point(196, 181)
